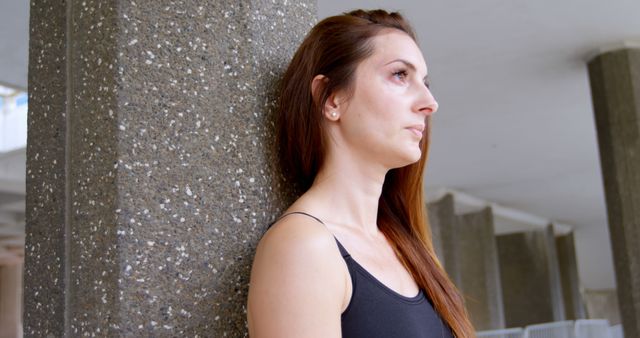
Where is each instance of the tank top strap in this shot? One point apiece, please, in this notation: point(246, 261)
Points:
point(295, 212)
point(302, 213)
point(343, 251)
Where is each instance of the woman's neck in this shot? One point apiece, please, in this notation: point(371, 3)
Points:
point(349, 192)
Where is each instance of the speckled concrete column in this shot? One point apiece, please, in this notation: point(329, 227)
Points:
point(479, 271)
point(149, 176)
point(531, 288)
point(615, 89)
point(441, 220)
point(568, 266)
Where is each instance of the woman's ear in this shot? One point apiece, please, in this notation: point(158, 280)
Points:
point(330, 109)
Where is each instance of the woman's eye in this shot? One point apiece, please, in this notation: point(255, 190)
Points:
point(401, 74)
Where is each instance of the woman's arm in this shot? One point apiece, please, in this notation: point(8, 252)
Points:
point(297, 283)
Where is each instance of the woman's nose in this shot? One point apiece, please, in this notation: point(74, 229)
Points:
point(426, 104)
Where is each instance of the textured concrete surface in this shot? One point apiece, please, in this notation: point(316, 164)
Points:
point(150, 176)
point(602, 304)
point(568, 266)
point(441, 220)
point(615, 89)
point(530, 279)
point(46, 178)
point(479, 269)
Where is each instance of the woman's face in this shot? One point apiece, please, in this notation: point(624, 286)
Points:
point(384, 118)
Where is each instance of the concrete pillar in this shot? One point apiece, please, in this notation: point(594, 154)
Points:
point(478, 269)
point(602, 304)
point(530, 279)
point(568, 266)
point(441, 220)
point(615, 90)
point(11, 300)
point(149, 176)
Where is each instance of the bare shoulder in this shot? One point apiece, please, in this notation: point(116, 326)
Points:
point(296, 242)
point(298, 227)
point(297, 283)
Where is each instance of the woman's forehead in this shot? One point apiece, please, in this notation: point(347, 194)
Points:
point(394, 45)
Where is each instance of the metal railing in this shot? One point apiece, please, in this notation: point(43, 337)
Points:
point(581, 328)
point(616, 331)
point(592, 328)
point(504, 333)
point(564, 329)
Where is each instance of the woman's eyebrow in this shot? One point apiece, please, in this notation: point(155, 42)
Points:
point(409, 65)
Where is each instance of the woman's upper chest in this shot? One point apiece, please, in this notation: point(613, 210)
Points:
point(379, 259)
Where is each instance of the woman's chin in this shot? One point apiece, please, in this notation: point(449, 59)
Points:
point(408, 158)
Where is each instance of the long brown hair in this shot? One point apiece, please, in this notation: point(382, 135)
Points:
point(334, 48)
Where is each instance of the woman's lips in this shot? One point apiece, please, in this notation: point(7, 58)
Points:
point(416, 130)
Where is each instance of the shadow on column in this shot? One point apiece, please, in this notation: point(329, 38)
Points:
point(530, 278)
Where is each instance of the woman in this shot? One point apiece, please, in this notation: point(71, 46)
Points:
point(352, 257)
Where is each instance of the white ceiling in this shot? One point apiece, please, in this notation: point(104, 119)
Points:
point(515, 125)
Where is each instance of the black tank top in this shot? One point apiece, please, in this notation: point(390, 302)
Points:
point(376, 311)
